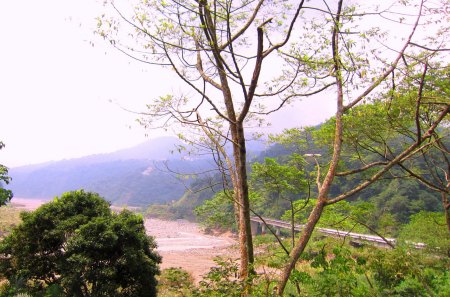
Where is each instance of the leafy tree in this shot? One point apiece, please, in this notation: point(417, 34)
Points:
point(336, 270)
point(354, 217)
point(404, 272)
point(338, 275)
point(404, 197)
point(216, 213)
point(429, 228)
point(175, 282)
point(355, 83)
point(221, 281)
point(279, 182)
point(76, 243)
point(206, 44)
point(5, 195)
point(376, 132)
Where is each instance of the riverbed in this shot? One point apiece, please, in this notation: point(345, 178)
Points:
point(181, 243)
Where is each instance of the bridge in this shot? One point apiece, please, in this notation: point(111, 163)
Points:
point(260, 225)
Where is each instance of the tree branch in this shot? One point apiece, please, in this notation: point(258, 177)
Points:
point(391, 68)
point(393, 162)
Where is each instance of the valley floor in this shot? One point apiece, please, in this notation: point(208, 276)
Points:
point(181, 243)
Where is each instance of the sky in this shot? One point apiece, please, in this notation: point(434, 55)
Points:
point(59, 95)
point(62, 88)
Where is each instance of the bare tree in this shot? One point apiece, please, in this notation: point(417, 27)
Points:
point(217, 48)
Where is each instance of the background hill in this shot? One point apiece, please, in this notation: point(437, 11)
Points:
point(137, 176)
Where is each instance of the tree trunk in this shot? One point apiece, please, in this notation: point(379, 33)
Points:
point(301, 244)
point(245, 233)
point(292, 224)
point(245, 196)
point(446, 205)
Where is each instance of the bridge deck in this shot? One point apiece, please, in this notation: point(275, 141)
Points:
point(332, 232)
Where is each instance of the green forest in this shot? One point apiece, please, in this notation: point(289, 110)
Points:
point(379, 165)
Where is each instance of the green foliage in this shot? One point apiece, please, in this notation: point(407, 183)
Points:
point(221, 281)
point(77, 244)
point(5, 195)
point(338, 274)
point(12, 287)
point(404, 197)
point(330, 269)
point(404, 272)
point(278, 185)
point(342, 215)
point(175, 282)
point(217, 213)
point(429, 228)
point(296, 140)
point(281, 179)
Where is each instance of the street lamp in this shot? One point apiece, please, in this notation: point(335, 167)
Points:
point(318, 167)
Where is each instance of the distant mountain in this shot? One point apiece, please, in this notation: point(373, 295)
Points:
point(138, 176)
point(161, 148)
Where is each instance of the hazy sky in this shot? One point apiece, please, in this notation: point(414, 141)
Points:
point(56, 88)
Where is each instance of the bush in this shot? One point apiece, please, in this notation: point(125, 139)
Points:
point(77, 244)
point(175, 282)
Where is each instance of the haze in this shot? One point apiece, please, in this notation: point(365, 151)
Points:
point(62, 87)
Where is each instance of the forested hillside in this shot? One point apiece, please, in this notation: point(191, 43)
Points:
point(137, 176)
point(157, 171)
point(393, 199)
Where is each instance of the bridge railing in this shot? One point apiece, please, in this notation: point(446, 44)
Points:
point(358, 237)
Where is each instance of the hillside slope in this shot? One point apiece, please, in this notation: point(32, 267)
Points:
point(145, 174)
point(135, 176)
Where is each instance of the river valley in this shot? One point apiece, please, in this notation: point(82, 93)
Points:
point(181, 243)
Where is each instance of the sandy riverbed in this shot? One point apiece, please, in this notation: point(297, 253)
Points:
point(180, 243)
point(183, 244)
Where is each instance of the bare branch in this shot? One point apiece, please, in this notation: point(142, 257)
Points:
point(244, 28)
point(391, 68)
point(200, 69)
point(430, 49)
point(364, 168)
point(288, 34)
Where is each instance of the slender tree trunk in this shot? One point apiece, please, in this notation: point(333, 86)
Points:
point(328, 180)
point(301, 244)
point(292, 223)
point(446, 205)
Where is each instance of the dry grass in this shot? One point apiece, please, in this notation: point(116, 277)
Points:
point(9, 217)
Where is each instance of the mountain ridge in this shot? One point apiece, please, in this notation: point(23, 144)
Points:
point(137, 176)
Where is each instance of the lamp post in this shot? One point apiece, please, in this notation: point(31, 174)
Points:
point(318, 168)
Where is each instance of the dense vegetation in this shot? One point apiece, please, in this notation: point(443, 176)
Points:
point(282, 178)
point(75, 246)
point(328, 268)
